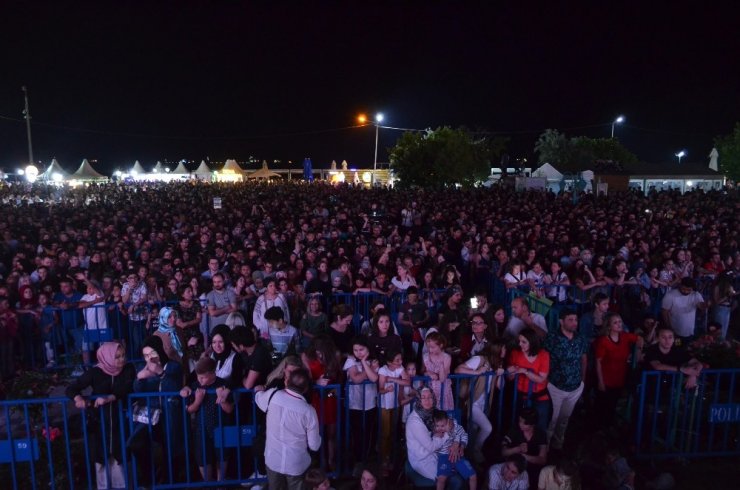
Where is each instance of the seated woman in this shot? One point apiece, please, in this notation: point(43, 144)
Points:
point(159, 374)
point(529, 441)
point(421, 446)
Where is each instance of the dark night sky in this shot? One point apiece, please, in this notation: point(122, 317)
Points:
point(156, 80)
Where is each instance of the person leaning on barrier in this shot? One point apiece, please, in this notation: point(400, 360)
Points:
point(292, 430)
point(111, 381)
point(159, 374)
point(667, 356)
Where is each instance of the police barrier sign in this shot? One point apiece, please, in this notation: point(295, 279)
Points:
point(724, 413)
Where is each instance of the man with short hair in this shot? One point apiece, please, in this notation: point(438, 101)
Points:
point(134, 296)
point(568, 358)
point(522, 317)
point(679, 309)
point(221, 301)
point(292, 430)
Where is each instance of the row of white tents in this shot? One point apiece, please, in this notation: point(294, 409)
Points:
point(231, 171)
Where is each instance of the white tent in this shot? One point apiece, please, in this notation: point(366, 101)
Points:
point(137, 169)
point(231, 172)
point(158, 168)
point(333, 165)
point(549, 172)
point(181, 170)
point(264, 173)
point(86, 173)
point(54, 173)
point(202, 172)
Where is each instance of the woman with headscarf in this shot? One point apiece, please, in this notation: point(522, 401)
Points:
point(167, 332)
point(159, 374)
point(111, 381)
point(228, 363)
point(420, 444)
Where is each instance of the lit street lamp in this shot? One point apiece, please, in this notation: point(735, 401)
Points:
point(680, 155)
point(618, 120)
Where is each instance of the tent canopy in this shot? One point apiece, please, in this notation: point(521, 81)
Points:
point(548, 171)
point(264, 173)
point(86, 172)
point(181, 170)
point(202, 169)
point(52, 169)
point(137, 168)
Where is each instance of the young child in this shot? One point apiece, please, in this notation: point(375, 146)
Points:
point(206, 407)
point(283, 337)
point(448, 429)
point(390, 375)
point(316, 479)
point(437, 366)
point(410, 392)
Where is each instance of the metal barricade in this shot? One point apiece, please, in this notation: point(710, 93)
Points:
point(675, 421)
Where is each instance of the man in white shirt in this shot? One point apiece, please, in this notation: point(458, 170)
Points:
point(522, 318)
point(679, 308)
point(292, 429)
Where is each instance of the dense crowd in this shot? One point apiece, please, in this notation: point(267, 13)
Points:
point(389, 291)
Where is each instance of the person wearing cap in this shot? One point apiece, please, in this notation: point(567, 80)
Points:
point(679, 309)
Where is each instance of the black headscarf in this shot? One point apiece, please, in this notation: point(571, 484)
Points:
point(225, 333)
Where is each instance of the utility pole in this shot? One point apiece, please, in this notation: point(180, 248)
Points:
point(27, 116)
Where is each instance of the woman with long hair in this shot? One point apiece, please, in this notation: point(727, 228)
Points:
point(530, 364)
point(189, 316)
point(723, 295)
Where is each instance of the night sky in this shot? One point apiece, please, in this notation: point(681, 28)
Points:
point(152, 80)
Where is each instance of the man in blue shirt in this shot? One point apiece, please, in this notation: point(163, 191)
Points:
point(568, 356)
point(67, 300)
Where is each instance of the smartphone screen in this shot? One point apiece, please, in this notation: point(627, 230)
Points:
point(474, 302)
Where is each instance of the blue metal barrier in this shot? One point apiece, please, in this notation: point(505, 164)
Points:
point(673, 421)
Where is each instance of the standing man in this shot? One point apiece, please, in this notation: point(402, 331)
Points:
point(522, 317)
point(679, 309)
point(568, 356)
point(221, 301)
point(134, 296)
point(292, 430)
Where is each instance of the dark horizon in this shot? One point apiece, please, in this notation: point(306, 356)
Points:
point(148, 82)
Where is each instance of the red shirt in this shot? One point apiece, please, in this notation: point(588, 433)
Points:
point(614, 356)
point(541, 364)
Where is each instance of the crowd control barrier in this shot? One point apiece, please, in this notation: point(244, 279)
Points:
point(675, 421)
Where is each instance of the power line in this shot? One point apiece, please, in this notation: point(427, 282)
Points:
point(329, 130)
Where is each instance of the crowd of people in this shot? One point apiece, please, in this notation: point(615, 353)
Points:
point(311, 295)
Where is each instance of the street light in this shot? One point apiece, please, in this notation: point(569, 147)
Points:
point(618, 120)
point(378, 120)
point(680, 155)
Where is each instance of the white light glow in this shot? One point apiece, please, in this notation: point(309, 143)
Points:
point(379, 117)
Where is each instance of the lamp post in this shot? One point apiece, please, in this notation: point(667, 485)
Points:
point(618, 120)
point(378, 120)
point(680, 155)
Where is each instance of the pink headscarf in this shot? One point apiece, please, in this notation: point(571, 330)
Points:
point(107, 358)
